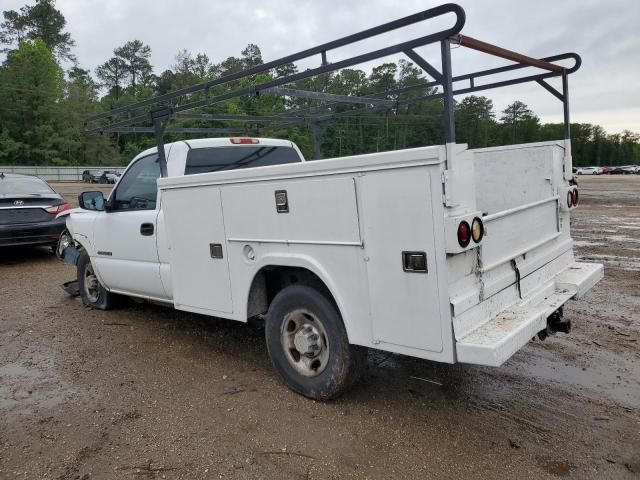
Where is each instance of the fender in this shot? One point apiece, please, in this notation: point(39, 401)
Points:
point(79, 223)
point(295, 261)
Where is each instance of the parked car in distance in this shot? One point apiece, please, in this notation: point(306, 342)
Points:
point(629, 169)
point(625, 170)
point(114, 176)
point(28, 210)
point(107, 176)
point(87, 177)
point(607, 170)
point(588, 171)
point(101, 176)
point(94, 176)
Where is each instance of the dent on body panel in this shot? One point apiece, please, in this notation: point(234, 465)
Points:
point(80, 225)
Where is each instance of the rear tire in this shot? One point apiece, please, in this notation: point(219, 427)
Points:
point(308, 344)
point(92, 293)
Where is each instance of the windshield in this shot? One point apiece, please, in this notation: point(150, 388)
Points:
point(23, 185)
point(202, 160)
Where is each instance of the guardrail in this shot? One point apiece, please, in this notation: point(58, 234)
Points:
point(58, 174)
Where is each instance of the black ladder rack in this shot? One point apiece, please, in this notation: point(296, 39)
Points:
point(151, 115)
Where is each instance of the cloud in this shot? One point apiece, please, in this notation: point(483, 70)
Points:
point(605, 34)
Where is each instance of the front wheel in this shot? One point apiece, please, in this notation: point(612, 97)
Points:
point(308, 344)
point(92, 293)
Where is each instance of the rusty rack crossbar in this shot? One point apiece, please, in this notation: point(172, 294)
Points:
point(152, 115)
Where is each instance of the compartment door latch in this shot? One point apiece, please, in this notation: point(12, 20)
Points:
point(414, 262)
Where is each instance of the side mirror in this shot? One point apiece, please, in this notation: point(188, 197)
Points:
point(91, 201)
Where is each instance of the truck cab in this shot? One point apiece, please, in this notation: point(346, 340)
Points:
point(124, 235)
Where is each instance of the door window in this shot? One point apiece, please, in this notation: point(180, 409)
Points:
point(138, 188)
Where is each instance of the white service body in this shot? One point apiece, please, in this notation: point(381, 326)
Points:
point(349, 220)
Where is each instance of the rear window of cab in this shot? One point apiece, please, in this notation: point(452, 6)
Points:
point(215, 159)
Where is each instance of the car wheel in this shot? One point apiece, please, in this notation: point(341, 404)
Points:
point(308, 344)
point(92, 293)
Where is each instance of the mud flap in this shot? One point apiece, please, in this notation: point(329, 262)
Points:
point(71, 255)
point(71, 288)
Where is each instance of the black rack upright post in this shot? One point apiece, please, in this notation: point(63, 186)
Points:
point(568, 161)
point(159, 118)
point(447, 91)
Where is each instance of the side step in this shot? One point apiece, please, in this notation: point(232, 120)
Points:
point(495, 341)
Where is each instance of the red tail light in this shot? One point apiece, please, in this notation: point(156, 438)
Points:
point(464, 234)
point(574, 197)
point(58, 209)
point(244, 141)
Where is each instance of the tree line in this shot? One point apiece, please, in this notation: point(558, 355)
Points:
point(46, 96)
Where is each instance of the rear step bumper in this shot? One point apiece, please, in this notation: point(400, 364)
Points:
point(495, 341)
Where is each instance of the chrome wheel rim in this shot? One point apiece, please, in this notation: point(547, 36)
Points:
point(91, 284)
point(304, 341)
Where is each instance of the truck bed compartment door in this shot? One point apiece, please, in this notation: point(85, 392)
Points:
point(398, 221)
point(198, 254)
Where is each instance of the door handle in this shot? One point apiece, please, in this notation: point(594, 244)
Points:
point(146, 229)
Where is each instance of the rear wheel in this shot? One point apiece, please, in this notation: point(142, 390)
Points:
point(92, 293)
point(308, 344)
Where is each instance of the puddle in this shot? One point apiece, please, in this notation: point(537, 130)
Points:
point(586, 243)
point(605, 374)
point(612, 376)
point(616, 220)
point(31, 385)
point(631, 264)
point(622, 239)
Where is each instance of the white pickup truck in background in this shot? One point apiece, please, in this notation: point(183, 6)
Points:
point(441, 253)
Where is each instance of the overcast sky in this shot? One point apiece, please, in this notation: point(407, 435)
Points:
point(605, 33)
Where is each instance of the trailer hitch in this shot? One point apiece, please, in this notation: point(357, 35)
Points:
point(556, 322)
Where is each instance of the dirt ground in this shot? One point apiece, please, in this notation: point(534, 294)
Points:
point(147, 392)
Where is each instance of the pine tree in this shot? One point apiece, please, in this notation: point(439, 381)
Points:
point(42, 20)
point(31, 87)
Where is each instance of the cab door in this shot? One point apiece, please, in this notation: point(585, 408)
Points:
point(125, 236)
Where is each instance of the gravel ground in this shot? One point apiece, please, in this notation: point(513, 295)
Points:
point(147, 392)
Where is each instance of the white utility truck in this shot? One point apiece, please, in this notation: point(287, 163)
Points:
point(344, 253)
point(440, 252)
